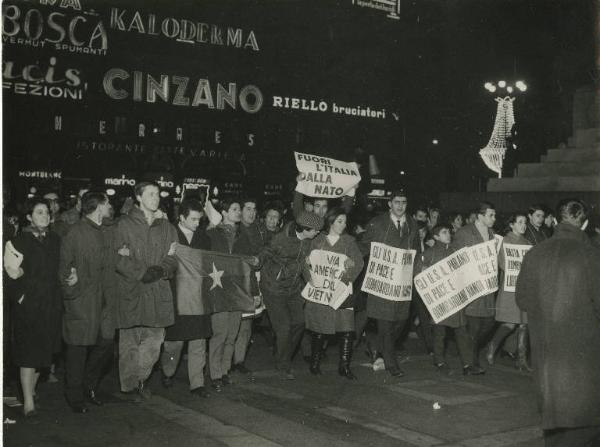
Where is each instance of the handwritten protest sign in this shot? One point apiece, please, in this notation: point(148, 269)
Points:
point(326, 269)
point(459, 279)
point(325, 177)
point(513, 257)
point(389, 273)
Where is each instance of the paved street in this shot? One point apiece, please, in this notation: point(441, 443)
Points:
point(494, 410)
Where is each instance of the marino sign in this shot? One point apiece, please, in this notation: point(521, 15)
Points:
point(82, 33)
point(180, 91)
point(182, 30)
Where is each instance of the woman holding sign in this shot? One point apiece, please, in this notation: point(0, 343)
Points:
point(333, 264)
point(514, 246)
point(31, 262)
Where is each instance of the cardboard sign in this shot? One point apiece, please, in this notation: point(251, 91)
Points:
point(459, 279)
point(513, 258)
point(326, 269)
point(325, 177)
point(389, 273)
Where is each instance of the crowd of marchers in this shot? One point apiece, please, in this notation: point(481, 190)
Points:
point(87, 285)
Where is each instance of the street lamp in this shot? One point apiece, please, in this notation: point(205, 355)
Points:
point(493, 153)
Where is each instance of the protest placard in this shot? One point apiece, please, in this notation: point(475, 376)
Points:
point(325, 177)
point(513, 257)
point(459, 279)
point(326, 287)
point(389, 273)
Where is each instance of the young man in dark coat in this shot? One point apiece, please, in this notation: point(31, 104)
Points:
point(480, 313)
point(81, 271)
point(195, 329)
point(534, 232)
point(145, 304)
point(558, 288)
point(281, 283)
point(396, 229)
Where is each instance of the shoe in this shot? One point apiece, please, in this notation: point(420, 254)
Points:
point(241, 368)
point(131, 396)
point(396, 372)
point(93, 398)
point(217, 384)
point(473, 370)
point(167, 382)
point(78, 407)
point(442, 368)
point(287, 375)
point(200, 392)
point(226, 380)
point(144, 392)
point(344, 370)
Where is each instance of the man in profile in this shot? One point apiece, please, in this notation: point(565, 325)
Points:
point(558, 287)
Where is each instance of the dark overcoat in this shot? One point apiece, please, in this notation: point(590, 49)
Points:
point(558, 287)
point(36, 301)
point(83, 249)
point(383, 229)
point(467, 236)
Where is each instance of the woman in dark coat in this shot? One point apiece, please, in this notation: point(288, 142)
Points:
point(322, 319)
point(507, 311)
point(34, 289)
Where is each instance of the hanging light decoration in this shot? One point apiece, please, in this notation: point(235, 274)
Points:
point(493, 153)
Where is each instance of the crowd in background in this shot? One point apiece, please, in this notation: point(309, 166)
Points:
point(86, 285)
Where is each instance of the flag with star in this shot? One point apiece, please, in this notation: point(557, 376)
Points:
point(208, 282)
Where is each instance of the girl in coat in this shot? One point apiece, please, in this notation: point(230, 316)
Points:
point(33, 286)
point(322, 319)
point(507, 311)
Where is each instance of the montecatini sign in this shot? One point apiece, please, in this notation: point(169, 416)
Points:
point(182, 30)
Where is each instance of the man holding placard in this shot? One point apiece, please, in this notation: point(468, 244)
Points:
point(392, 240)
point(480, 313)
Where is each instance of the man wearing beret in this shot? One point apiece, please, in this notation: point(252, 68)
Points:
point(282, 284)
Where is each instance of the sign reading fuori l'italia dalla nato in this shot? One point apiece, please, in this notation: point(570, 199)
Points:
point(326, 177)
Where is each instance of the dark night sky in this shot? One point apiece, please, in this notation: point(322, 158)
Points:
point(428, 68)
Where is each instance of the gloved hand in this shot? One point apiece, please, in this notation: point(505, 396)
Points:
point(153, 274)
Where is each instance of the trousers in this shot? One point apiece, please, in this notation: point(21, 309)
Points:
point(242, 341)
point(463, 343)
point(139, 350)
point(85, 366)
point(287, 317)
point(387, 334)
point(196, 360)
point(225, 327)
point(479, 329)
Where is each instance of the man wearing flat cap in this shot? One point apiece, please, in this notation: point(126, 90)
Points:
point(282, 283)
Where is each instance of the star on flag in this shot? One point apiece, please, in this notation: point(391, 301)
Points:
point(216, 277)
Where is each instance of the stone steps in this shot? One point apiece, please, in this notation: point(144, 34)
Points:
point(559, 168)
point(572, 154)
point(546, 183)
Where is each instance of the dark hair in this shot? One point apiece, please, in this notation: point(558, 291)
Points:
point(247, 199)
point(421, 208)
point(535, 207)
point(32, 202)
point(273, 206)
point(439, 227)
point(300, 228)
point(421, 224)
point(484, 206)
point(398, 193)
point(512, 219)
point(90, 201)
point(139, 188)
point(433, 208)
point(188, 205)
point(224, 204)
point(453, 215)
point(572, 208)
point(331, 216)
